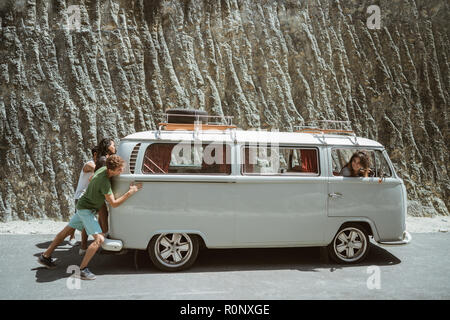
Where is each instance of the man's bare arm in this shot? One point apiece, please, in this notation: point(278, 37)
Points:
point(117, 202)
point(89, 167)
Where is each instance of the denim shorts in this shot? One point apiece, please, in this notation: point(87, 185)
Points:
point(85, 219)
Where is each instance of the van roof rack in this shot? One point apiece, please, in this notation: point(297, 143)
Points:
point(223, 123)
point(322, 128)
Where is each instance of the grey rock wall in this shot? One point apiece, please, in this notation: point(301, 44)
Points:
point(270, 64)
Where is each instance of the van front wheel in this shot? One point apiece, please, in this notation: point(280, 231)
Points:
point(173, 251)
point(350, 245)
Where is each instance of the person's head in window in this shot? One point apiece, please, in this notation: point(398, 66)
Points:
point(358, 166)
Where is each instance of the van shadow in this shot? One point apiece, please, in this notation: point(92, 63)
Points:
point(309, 259)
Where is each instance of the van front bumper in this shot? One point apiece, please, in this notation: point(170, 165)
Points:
point(406, 238)
point(112, 245)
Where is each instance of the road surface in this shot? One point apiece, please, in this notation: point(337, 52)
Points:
point(420, 270)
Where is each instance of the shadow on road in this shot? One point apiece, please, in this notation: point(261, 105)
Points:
point(301, 259)
point(209, 260)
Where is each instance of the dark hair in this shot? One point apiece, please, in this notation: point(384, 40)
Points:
point(113, 162)
point(103, 147)
point(364, 160)
point(94, 150)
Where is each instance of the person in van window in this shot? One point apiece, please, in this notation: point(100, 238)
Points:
point(105, 148)
point(358, 166)
point(85, 175)
point(90, 202)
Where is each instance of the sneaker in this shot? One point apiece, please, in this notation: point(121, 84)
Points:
point(73, 242)
point(47, 262)
point(86, 274)
point(81, 252)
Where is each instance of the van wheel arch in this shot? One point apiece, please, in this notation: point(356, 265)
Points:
point(201, 241)
point(363, 224)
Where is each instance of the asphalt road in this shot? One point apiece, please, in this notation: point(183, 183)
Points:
point(420, 270)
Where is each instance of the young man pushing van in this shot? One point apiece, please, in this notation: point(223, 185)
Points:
point(87, 206)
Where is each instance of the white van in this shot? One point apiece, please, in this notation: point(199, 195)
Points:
point(222, 187)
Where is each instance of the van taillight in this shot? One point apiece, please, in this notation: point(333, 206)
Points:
point(133, 157)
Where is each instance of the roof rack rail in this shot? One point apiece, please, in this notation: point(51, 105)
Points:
point(322, 128)
point(193, 126)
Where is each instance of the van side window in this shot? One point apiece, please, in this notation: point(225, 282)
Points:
point(280, 160)
point(377, 163)
point(381, 165)
point(187, 158)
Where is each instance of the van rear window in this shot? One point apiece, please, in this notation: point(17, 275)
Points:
point(186, 158)
point(271, 160)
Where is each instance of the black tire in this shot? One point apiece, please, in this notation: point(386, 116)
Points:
point(337, 247)
point(186, 116)
point(165, 260)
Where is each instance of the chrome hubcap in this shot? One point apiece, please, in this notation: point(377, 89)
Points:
point(173, 249)
point(350, 244)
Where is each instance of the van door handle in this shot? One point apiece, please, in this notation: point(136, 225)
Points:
point(336, 195)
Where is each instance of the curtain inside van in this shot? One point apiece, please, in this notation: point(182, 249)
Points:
point(157, 158)
point(309, 160)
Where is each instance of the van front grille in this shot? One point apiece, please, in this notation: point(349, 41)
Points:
point(133, 157)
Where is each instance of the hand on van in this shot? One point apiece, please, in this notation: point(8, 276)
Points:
point(117, 202)
point(135, 187)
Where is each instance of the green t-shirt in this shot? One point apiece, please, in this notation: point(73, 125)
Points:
point(94, 196)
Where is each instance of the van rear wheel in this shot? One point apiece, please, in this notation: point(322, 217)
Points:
point(173, 251)
point(350, 245)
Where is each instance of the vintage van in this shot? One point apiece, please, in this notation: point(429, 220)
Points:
point(217, 186)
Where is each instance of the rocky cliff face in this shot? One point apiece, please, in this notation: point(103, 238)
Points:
point(72, 72)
